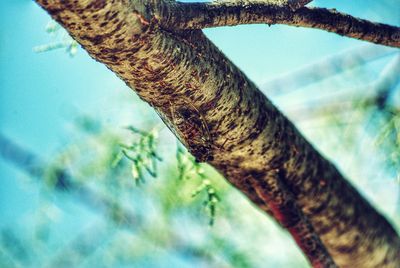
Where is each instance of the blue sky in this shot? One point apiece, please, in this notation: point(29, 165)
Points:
point(40, 93)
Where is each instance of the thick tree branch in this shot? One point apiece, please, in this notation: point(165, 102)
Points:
point(223, 118)
point(230, 13)
point(295, 221)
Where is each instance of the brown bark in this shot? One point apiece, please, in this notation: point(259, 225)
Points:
point(223, 119)
point(296, 4)
point(230, 13)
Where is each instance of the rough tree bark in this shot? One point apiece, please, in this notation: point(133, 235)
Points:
point(223, 119)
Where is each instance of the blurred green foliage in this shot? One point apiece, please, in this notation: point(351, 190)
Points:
point(60, 40)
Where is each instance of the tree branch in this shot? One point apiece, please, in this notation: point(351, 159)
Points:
point(224, 119)
point(295, 222)
point(231, 13)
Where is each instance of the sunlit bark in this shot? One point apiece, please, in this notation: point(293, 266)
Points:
point(223, 119)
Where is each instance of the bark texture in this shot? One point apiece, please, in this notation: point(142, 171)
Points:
point(223, 119)
point(230, 13)
point(296, 4)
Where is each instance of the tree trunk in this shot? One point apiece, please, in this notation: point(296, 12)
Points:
point(223, 119)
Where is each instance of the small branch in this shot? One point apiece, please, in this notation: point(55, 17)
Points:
point(231, 13)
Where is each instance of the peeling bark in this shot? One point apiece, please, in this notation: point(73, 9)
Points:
point(223, 119)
